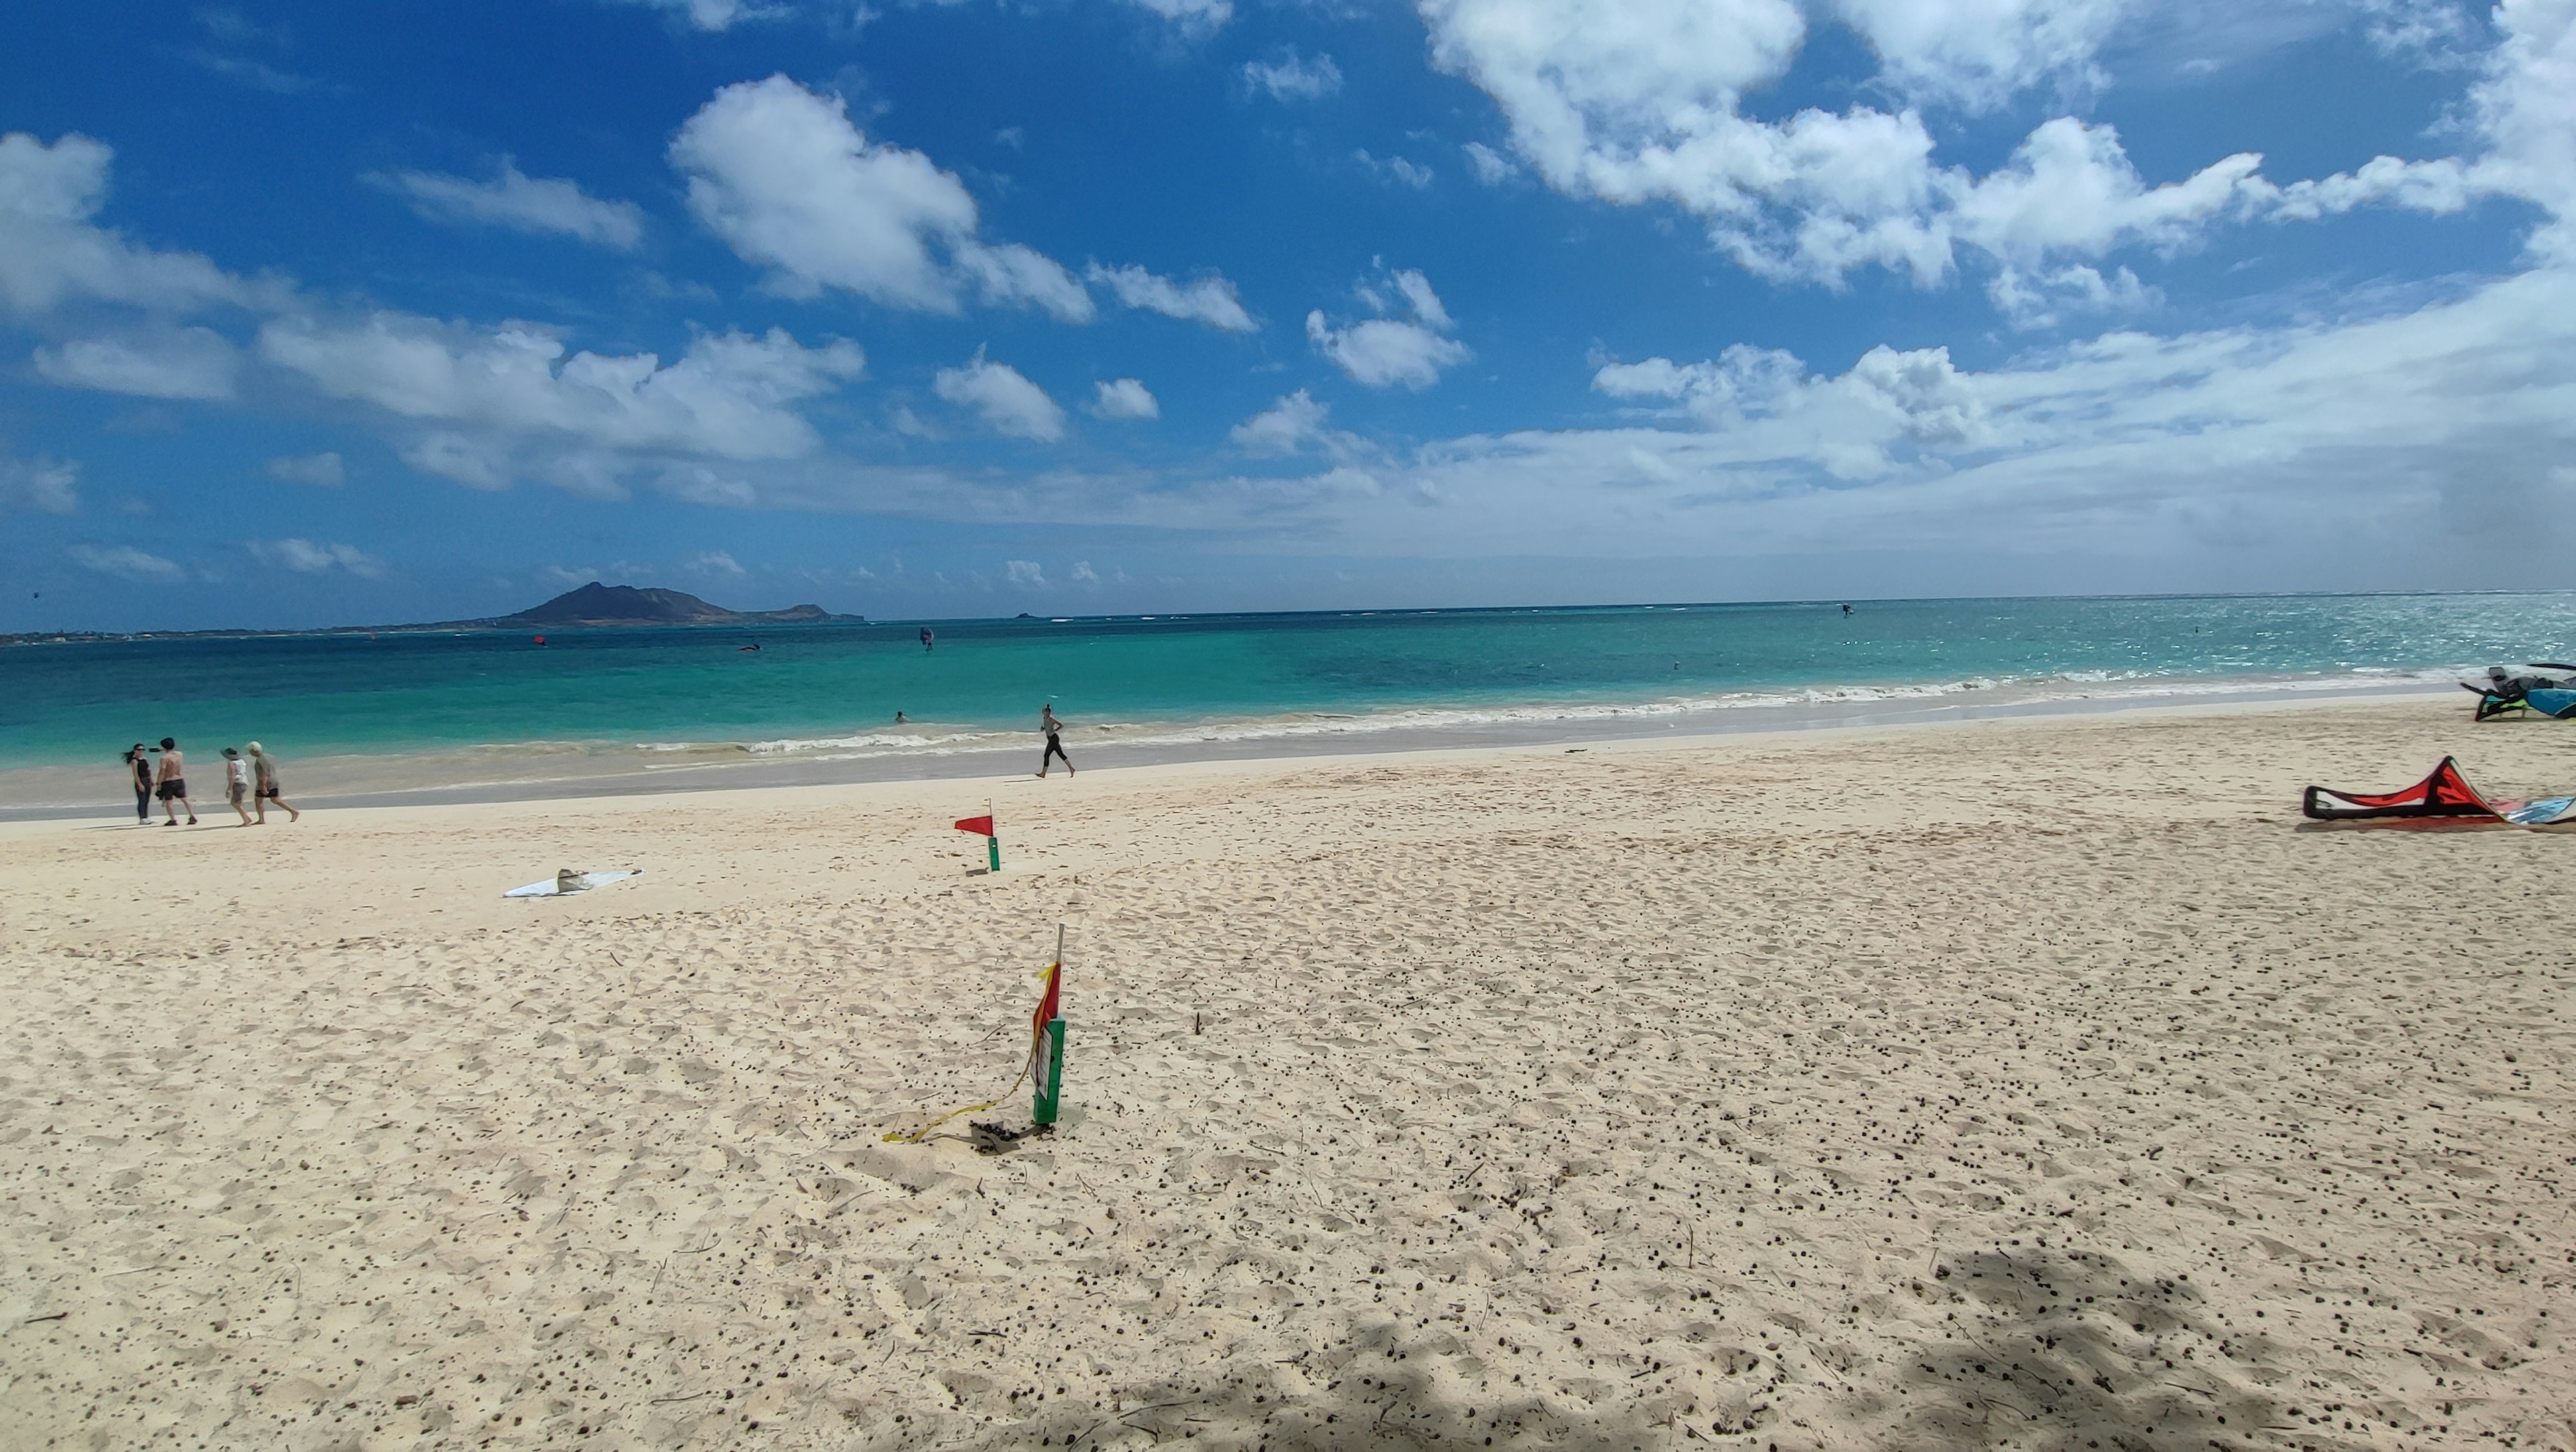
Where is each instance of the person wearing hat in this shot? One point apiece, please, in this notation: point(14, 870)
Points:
point(264, 786)
point(237, 784)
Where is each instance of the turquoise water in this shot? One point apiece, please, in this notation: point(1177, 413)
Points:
point(832, 691)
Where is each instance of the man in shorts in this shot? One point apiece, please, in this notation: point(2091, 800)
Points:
point(172, 775)
point(264, 785)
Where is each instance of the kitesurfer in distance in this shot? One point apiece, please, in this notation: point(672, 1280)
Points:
point(1054, 730)
point(1846, 609)
point(928, 635)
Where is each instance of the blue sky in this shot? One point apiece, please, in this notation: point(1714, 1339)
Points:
point(314, 314)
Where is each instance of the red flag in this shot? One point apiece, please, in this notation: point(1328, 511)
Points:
point(980, 826)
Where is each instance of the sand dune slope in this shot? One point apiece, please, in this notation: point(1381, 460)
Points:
point(2020, 1085)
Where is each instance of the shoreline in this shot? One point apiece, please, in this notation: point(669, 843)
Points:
point(365, 781)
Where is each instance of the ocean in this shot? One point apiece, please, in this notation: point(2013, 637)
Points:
point(413, 714)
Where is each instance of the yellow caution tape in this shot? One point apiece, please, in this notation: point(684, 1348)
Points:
point(1036, 1032)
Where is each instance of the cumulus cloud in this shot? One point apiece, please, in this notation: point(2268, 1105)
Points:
point(306, 557)
point(1383, 352)
point(1292, 77)
point(128, 563)
point(320, 469)
point(1636, 101)
point(1976, 54)
point(1210, 300)
point(40, 486)
point(1857, 425)
point(194, 363)
point(1123, 398)
point(1004, 398)
point(1083, 573)
point(728, 396)
point(520, 202)
point(51, 252)
point(790, 184)
point(1293, 425)
point(2045, 299)
point(1025, 574)
point(713, 562)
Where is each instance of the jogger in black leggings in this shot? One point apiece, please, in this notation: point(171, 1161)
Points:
point(1055, 741)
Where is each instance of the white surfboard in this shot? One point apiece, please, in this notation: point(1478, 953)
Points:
point(553, 887)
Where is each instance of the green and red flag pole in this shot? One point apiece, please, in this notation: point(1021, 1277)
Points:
point(1047, 1042)
point(983, 827)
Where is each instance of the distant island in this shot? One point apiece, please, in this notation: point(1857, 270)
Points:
point(592, 606)
point(598, 604)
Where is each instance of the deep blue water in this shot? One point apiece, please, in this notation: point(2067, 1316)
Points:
point(826, 688)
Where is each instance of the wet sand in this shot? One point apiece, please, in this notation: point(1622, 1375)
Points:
point(2026, 1083)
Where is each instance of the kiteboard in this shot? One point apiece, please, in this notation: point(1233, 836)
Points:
point(2552, 701)
point(566, 883)
point(2547, 812)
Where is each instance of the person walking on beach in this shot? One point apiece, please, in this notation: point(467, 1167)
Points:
point(138, 766)
point(1054, 730)
point(173, 788)
point(264, 785)
point(237, 784)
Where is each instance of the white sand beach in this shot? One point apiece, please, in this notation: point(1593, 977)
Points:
point(2029, 1083)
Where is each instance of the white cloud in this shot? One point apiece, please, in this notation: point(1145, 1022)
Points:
point(519, 202)
point(1740, 381)
point(728, 396)
point(1395, 169)
point(128, 563)
point(307, 557)
point(50, 251)
point(1292, 425)
point(789, 183)
point(698, 484)
point(1490, 166)
point(1852, 427)
point(1124, 398)
point(1292, 77)
point(1007, 401)
point(1196, 16)
point(1015, 275)
point(186, 363)
point(2043, 300)
point(713, 562)
point(1637, 101)
point(2070, 187)
point(321, 469)
point(1025, 574)
point(1083, 574)
point(1978, 53)
point(39, 485)
point(1210, 300)
point(1382, 352)
point(474, 463)
point(715, 15)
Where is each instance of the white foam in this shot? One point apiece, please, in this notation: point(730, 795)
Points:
point(2041, 690)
